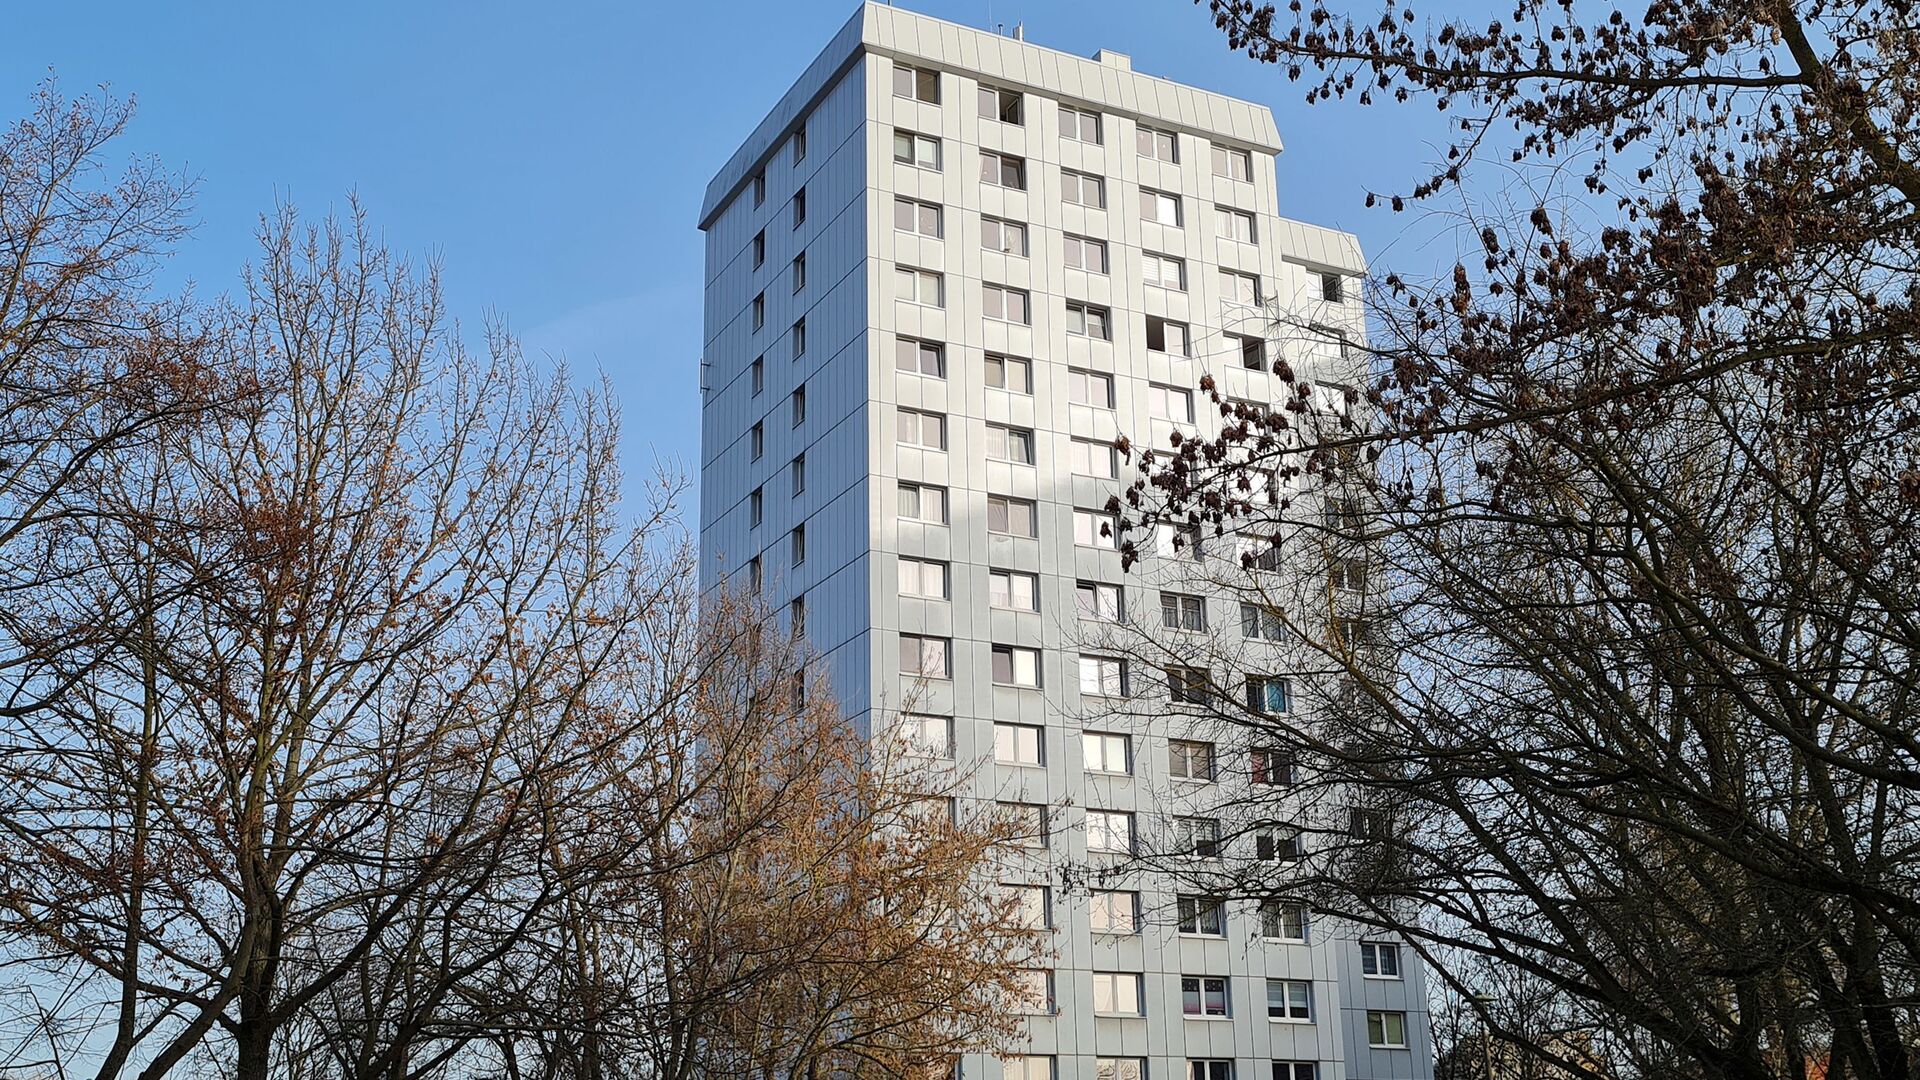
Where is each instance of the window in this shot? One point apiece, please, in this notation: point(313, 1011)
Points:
point(1099, 601)
point(1187, 685)
point(924, 429)
point(1188, 759)
point(1252, 353)
point(759, 248)
point(1089, 388)
point(757, 439)
point(1027, 820)
point(1016, 744)
point(1163, 271)
point(1106, 752)
point(1027, 1067)
point(1290, 999)
point(798, 544)
point(1181, 611)
point(1333, 288)
point(1088, 320)
point(1169, 403)
point(1084, 254)
point(1032, 906)
point(1366, 823)
point(1380, 958)
point(755, 502)
point(924, 577)
point(1112, 911)
point(1283, 920)
point(1014, 665)
point(1268, 695)
point(1156, 144)
point(800, 144)
point(1296, 1070)
point(1010, 516)
point(1274, 767)
point(923, 502)
point(799, 405)
point(1079, 125)
point(1009, 444)
point(916, 83)
point(912, 148)
point(1348, 574)
point(800, 208)
point(1232, 164)
point(1096, 528)
point(759, 187)
point(920, 357)
point(1110, 830)
point(1180, 542)
point(921, 219)
point(799, 271)
point(925, 736)
point(1003, 170)
point(1159, 206)
point(1006, 304)
point(1013, 590)
point(1239, 288)
point(799, 338)
point(1209, 1069)
point(759, 374)
point(1282, 844)
point(759, 311)
point(1119, 1068)
point(798, 468)
point(756, 579)
point(1203, 996)
point(1197, 836)
point(1079, 189)
point(1103, 676)
point(1009, 373)
point(1116, 993)
point(926, 657)
point(999, 104)
point(1327, 342)
point(1201, 915)
point(919, 286)
point(1167, 336)
point(1236, 225)
point(1006, 237)
point(1386, 1030)
point(1091, 458)
point(1259, 553)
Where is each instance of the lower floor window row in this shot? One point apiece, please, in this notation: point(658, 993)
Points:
point(1043, 1067)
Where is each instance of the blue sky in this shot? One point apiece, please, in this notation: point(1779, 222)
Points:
point(553, 155)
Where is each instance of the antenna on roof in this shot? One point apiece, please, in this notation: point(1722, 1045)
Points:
point(1020, 31)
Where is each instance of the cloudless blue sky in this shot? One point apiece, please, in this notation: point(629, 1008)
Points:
point(553, 155)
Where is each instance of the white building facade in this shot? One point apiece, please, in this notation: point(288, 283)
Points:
point(942, 275)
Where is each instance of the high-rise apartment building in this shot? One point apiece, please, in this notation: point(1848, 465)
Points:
point(943, 274)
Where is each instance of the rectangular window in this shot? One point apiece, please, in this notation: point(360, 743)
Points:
point(1198, 837)
point(1180, 542)
point(1203, 995)
point(1088, 320)
point(1380, 959)
point(1190, 760)
point(1099, 601)
point(1013, 590)
point(1252, 352)
point(1182, 611)
point(1017, 744)
point(1156, 144)
point(800, 144)
point(1296, 1070)
point(1367, 823)
point(1236, 225)
point(1232, 164)
point(1113, 911)
point(1006, 304)
point(759, 248)
point(757, 439)
point(1106, 752)
point(1333, 288)
point(923, 502)
point(1258, 553)
point(1089, 388)
point(1032, 906)
point(1283, 920)
point(1159, 206)
point(920, 357)
point(1203, 915)
point(1169, 403)
point(926, 657)
point(1080, 189)
point(925, 736)
point(1268, 695)
point(798, 401)
point(799, 271)
point(1386, 1030)
point(1109, 1068)
point(1116, 993)
point(798, 469)
point(1281, 844)
point(1083, 253)
point(1011, 517)
point(919, 218)
point(1092, 458)
point(1003, 170)
point(922, 429)
point(1110, 831)
point(1290, 999)
point(798, 543)
point(912, 148)
point(1014, 665)
point(1009, 444)
point(1103, 676)
point(1079, 125)
point(756, 578)
point(1028, 821)
point(755, 501)
point(798, 335)
point(759, 187)
point(1274, 767)
point(1187, 685)
point(1000, 104)
point(1167, 336)
point(1006, 237)
point(919, 286)
point(1209, 1069)
point(1028, 1067)
point(924, 577)
point(1163, 271)
point(800, 208)
point(759, 310)
point(1096, 529)
point(918, 84)
point(759, 371)
point(1239, 288)
point(1010, 373)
